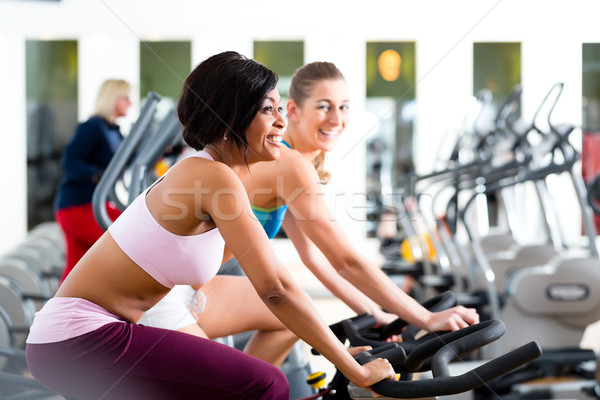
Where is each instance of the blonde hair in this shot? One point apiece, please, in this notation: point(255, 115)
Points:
point(110, 91)
point(302, 84)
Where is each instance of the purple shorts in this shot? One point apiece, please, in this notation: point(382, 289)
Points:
point(129, 361)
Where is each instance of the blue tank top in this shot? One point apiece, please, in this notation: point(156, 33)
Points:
point(272, 218)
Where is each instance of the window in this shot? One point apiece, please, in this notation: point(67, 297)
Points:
point(51, 87)
point(283, 57)
point(496, 68)
point(391, 96)
point(163, 69)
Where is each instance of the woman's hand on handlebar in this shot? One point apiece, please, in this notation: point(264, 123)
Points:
point(452, 319)
point(376, 371)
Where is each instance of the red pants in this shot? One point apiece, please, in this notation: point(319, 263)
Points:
point(81, 231)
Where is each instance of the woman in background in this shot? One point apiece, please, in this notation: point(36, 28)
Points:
point(288, 193)
point(84, 160)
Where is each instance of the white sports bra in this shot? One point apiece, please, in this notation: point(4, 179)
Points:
point(169, 258)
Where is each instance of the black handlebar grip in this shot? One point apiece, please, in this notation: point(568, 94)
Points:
point(441, 302)
point(448, 385)
point(392, 352)
point(445, 347)
point(393, 328)
point(362, 321)
point(357, 329)
point(351, 329)
point(508, 362)
point(424, 351)
point(472, 339)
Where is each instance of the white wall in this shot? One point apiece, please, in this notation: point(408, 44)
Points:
point(13, 203)
point(108, 33)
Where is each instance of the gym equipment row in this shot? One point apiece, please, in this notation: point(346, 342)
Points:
point(542, 287)
point(29, 275)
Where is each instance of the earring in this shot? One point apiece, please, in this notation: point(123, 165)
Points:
point(225, 137)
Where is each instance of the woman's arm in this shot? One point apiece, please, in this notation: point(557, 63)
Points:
point(318, 264)
point(227, 204)
point(302, 193)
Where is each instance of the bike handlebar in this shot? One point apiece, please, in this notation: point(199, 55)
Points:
point(440, 352)
point(360, 332)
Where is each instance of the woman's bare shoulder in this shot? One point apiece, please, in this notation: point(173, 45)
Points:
point(294, 166)
point(202, 167)
point(198, 172)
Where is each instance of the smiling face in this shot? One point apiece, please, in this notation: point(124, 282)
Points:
point(265, 132)
point(323, 115)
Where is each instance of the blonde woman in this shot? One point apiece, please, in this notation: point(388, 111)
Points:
point(287, 194)
point(84, 159)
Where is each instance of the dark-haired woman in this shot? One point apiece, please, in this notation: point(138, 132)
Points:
point(85, 342)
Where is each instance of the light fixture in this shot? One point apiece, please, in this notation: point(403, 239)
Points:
point(389, 63)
